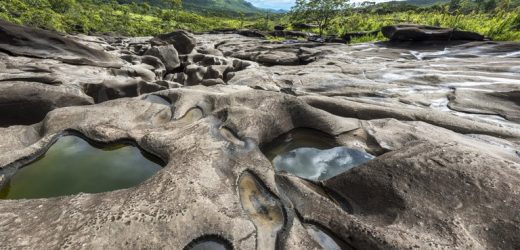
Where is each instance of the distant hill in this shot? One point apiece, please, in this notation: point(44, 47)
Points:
point(423, 3)
point(236, 6)
point(220, 7)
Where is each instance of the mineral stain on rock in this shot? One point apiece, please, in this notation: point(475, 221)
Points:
point(73, 165)
point(263, 209)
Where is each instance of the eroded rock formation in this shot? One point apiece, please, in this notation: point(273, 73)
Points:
point(441, 120)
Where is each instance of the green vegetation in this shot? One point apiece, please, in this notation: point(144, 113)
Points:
point(112, 17)
point(320, 12)
point(499, 19)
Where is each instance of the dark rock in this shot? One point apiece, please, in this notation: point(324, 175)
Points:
point(212, 82)
point(279, 27)
point(251, 33)
point(32, 42)
point(304, 26)
point(145, 87)
point(326, 39)
point(195, 74)
point(288, 33)
point(183, 41)
point(167, 54)
point(412, 32)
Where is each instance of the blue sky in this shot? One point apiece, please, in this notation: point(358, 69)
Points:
point(273, 4)
point(286, 4)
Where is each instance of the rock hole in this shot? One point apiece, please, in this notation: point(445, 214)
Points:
point(324, 238)
point(263, 208)
point(312, 155)
point(75, 165)
point(157, 99)
point(230, 136)
point(209, 242)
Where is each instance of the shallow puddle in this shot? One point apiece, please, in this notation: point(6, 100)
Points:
point(322, 238)
point(72, 165)
point(312, 155)
point(326, 241)
point(318, 165)
point(263, 209)
point(298, 138)
point(157, 100)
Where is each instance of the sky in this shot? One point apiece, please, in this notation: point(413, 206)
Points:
point(286, 4)
point(273, 4)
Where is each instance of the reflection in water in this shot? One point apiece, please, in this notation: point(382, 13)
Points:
point(72, 165)
point(312, 155)
point(263, 209)
point(299, 138)
point(322, 238)
point(317, 165)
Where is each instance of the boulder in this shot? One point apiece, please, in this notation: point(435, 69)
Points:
point(304, 26)
point(288, 33)
point(279, 27)
point(413, 32)
point(167, 54)
point(251, 33)
point(183, 41)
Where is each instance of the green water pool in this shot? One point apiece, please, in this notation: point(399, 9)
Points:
point(74, 165)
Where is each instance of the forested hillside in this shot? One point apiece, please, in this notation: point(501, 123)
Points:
point(102, 17)
point(209, 7)
point(499, 19)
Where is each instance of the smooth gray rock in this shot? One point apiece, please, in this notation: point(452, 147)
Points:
point(167, 54)
point(25, 41)
point(183, 41)
point(441, 178)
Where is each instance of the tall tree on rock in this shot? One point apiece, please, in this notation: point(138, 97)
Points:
point(320, 12)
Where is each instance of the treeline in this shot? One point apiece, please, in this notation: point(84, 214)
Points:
point(497, 19)
point(427, 6)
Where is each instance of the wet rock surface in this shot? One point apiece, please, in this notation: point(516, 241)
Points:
point(441, 119)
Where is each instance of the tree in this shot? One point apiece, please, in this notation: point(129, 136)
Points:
point(62, 6)
point(174, 4)
point(321, 12)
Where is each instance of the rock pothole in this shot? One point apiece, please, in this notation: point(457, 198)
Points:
point(74, 164)
point(312, 155)
point(209, 242)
